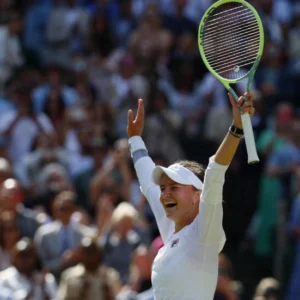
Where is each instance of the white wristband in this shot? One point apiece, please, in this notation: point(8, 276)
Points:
point(136, 143)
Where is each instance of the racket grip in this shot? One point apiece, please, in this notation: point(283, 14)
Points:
point(249, 139)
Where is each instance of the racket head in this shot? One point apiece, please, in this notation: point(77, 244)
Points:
point(231, 40)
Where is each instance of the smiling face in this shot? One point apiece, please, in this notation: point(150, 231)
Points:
point(181, 202)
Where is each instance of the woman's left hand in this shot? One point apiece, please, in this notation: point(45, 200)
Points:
point(241, 107)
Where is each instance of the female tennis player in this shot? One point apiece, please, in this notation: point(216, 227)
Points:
point(187, 203)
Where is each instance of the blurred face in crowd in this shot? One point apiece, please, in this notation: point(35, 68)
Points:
point(284, 117)
point(91, 255)
point(187, 43)
point(9, 231)
point(24, 257)
point(16, 25)
point(152, 17)
point(99, 153)
point(24, 101)
point(55, 105)
point(273, 55)
point(64, 207)
point(123, 226)
point(11, 194)
point(85, 134)
point(160, 101)
point(127, 67)
point(54, 78)
point(57, 182)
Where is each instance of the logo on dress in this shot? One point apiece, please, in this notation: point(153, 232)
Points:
point(175, 243)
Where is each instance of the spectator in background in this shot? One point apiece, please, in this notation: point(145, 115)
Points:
point(294, 40)
point(89, 279)
point(106, 203)
point(55, 110)
point(104, 120)
point(99, 149)
point(23, 280)
point(21, 127)
point(272, 139)
point(82, 160)
point(123, 238)
point(150, 43)
point(54, 81)
point(227, 288)
point(293, 290)
point(66, 33)
point(268, 289)
point(35, 19)
point(9, 236)
point(163, 124)
point(270, 21)
point(80, 81)
point(11, 56)
point(126, 22)
point(115, 172)
point(12, 197)
point(31, 168)
point(57, 242)
point(274, 70)
point(178, 23)
point(123, 88)
point(141, 267)
point(101, 41)
point(53, 179)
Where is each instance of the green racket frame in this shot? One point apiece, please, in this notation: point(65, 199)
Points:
point(247, 125)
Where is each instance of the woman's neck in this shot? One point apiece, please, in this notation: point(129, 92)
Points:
point(180, 224)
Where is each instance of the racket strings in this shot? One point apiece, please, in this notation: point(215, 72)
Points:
point(231, 41)
point(230, 19)
point(216, 62)
point(227, 12)
point(236, 43)
point(224, 29)
point(223, 51)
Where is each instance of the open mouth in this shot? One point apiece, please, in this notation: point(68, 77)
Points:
point(170, 204)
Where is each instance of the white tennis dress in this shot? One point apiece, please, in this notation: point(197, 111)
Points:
point(186, 268)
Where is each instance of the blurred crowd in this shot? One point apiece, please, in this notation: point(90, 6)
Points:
point(73, 222)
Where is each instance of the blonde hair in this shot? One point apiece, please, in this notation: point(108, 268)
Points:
point(123, 210)
point(265, 284)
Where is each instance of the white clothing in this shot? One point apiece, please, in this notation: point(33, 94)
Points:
point(23, 133)
point(186, 268)
point(10, 54)
point(20, 286)
point(5, 260)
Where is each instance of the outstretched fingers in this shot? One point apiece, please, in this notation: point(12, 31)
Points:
point(130, 116)
point(140, 115)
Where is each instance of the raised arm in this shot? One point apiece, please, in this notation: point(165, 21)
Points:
point(209, 226)
point(228, 147)
point(144, 165)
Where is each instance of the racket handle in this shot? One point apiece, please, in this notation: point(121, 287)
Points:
point(249, 139)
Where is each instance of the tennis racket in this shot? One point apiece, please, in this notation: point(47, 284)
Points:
point(231, 41)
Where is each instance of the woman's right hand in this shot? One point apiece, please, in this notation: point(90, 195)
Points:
point(136, 126)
